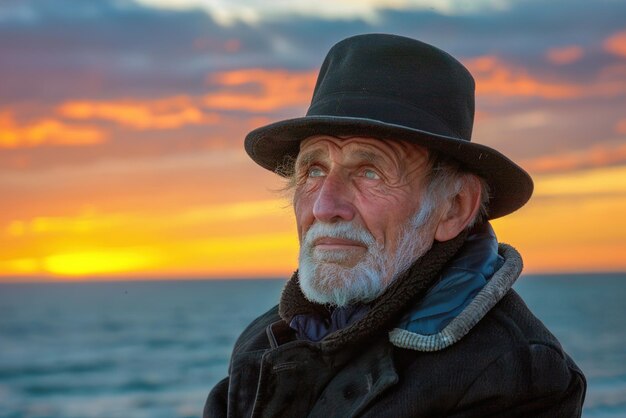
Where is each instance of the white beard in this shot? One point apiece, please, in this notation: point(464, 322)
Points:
point(326, 279)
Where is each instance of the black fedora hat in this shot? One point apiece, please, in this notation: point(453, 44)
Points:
point(396, 88)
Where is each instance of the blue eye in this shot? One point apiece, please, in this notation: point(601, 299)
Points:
point(371, 174)
point(316, 172)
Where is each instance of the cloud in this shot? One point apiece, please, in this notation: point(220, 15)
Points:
point(168, 113)
point(565, 55)
point(255, 11)
point(247, 90)
point(264, 90)
point(526, 120)
point(231, 212)
point(616, 44)
point(599, 155)
point(61, 49)
point(90, 221)
point(85, 223)
point(620, 127)
point(46, 132)
point(127, 49)
point(600, 181)
point(208, 44)
point(495, 77)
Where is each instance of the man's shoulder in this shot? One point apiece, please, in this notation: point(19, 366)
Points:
point(513, 332)
point(254, 336)
point(525, 358)
point(509, 328)
point(509, 356)
point(513, 323)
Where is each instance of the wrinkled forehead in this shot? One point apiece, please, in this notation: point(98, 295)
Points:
point(361, 147)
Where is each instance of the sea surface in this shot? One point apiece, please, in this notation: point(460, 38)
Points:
point(155, 349)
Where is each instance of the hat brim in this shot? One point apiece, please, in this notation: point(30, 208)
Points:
point(510, 186)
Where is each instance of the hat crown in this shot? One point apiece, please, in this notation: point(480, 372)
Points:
point(396, 80)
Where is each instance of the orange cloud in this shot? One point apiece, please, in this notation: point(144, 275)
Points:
point(616, 44)
point(271, 90)
point(91, 221)
point(614, 72)
point(493, 77)
point(167, 113)
point(499, 79)
point(620, 127)
point(595, 156)
point(565, 55)
point(85, 223)
point(45, 131)
point(588, 183)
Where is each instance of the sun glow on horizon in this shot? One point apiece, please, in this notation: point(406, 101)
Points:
point(551, 237)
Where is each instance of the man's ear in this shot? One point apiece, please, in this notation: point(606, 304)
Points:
point(461, 210)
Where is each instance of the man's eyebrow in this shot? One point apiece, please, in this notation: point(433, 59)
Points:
point(307, 157)
point(369, 156)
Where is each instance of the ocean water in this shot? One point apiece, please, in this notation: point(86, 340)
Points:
point(154, 349)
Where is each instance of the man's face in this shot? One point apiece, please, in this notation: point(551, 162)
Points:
point(354, 201)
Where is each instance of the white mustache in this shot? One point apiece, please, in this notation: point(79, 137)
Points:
point(343, 230)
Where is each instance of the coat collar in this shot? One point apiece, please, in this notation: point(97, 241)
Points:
point(461, 280)
point(493, 291)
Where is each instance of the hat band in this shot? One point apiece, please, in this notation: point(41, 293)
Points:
point(385, 110)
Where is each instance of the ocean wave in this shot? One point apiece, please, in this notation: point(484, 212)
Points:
point(8, 372)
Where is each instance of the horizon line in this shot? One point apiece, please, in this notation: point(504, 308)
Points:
point(104, 279)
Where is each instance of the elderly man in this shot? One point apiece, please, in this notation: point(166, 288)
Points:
point(402, 303)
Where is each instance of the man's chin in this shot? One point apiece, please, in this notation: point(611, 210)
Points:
point(339, 289)
point(326, 292)
point(335, 266)
point(344, 259)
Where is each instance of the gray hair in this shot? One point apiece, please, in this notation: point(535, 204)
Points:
point(446, 179)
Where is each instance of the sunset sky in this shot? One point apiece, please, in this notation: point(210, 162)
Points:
point(122, 126)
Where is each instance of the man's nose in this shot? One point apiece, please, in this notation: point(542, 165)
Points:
point(334, 200)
